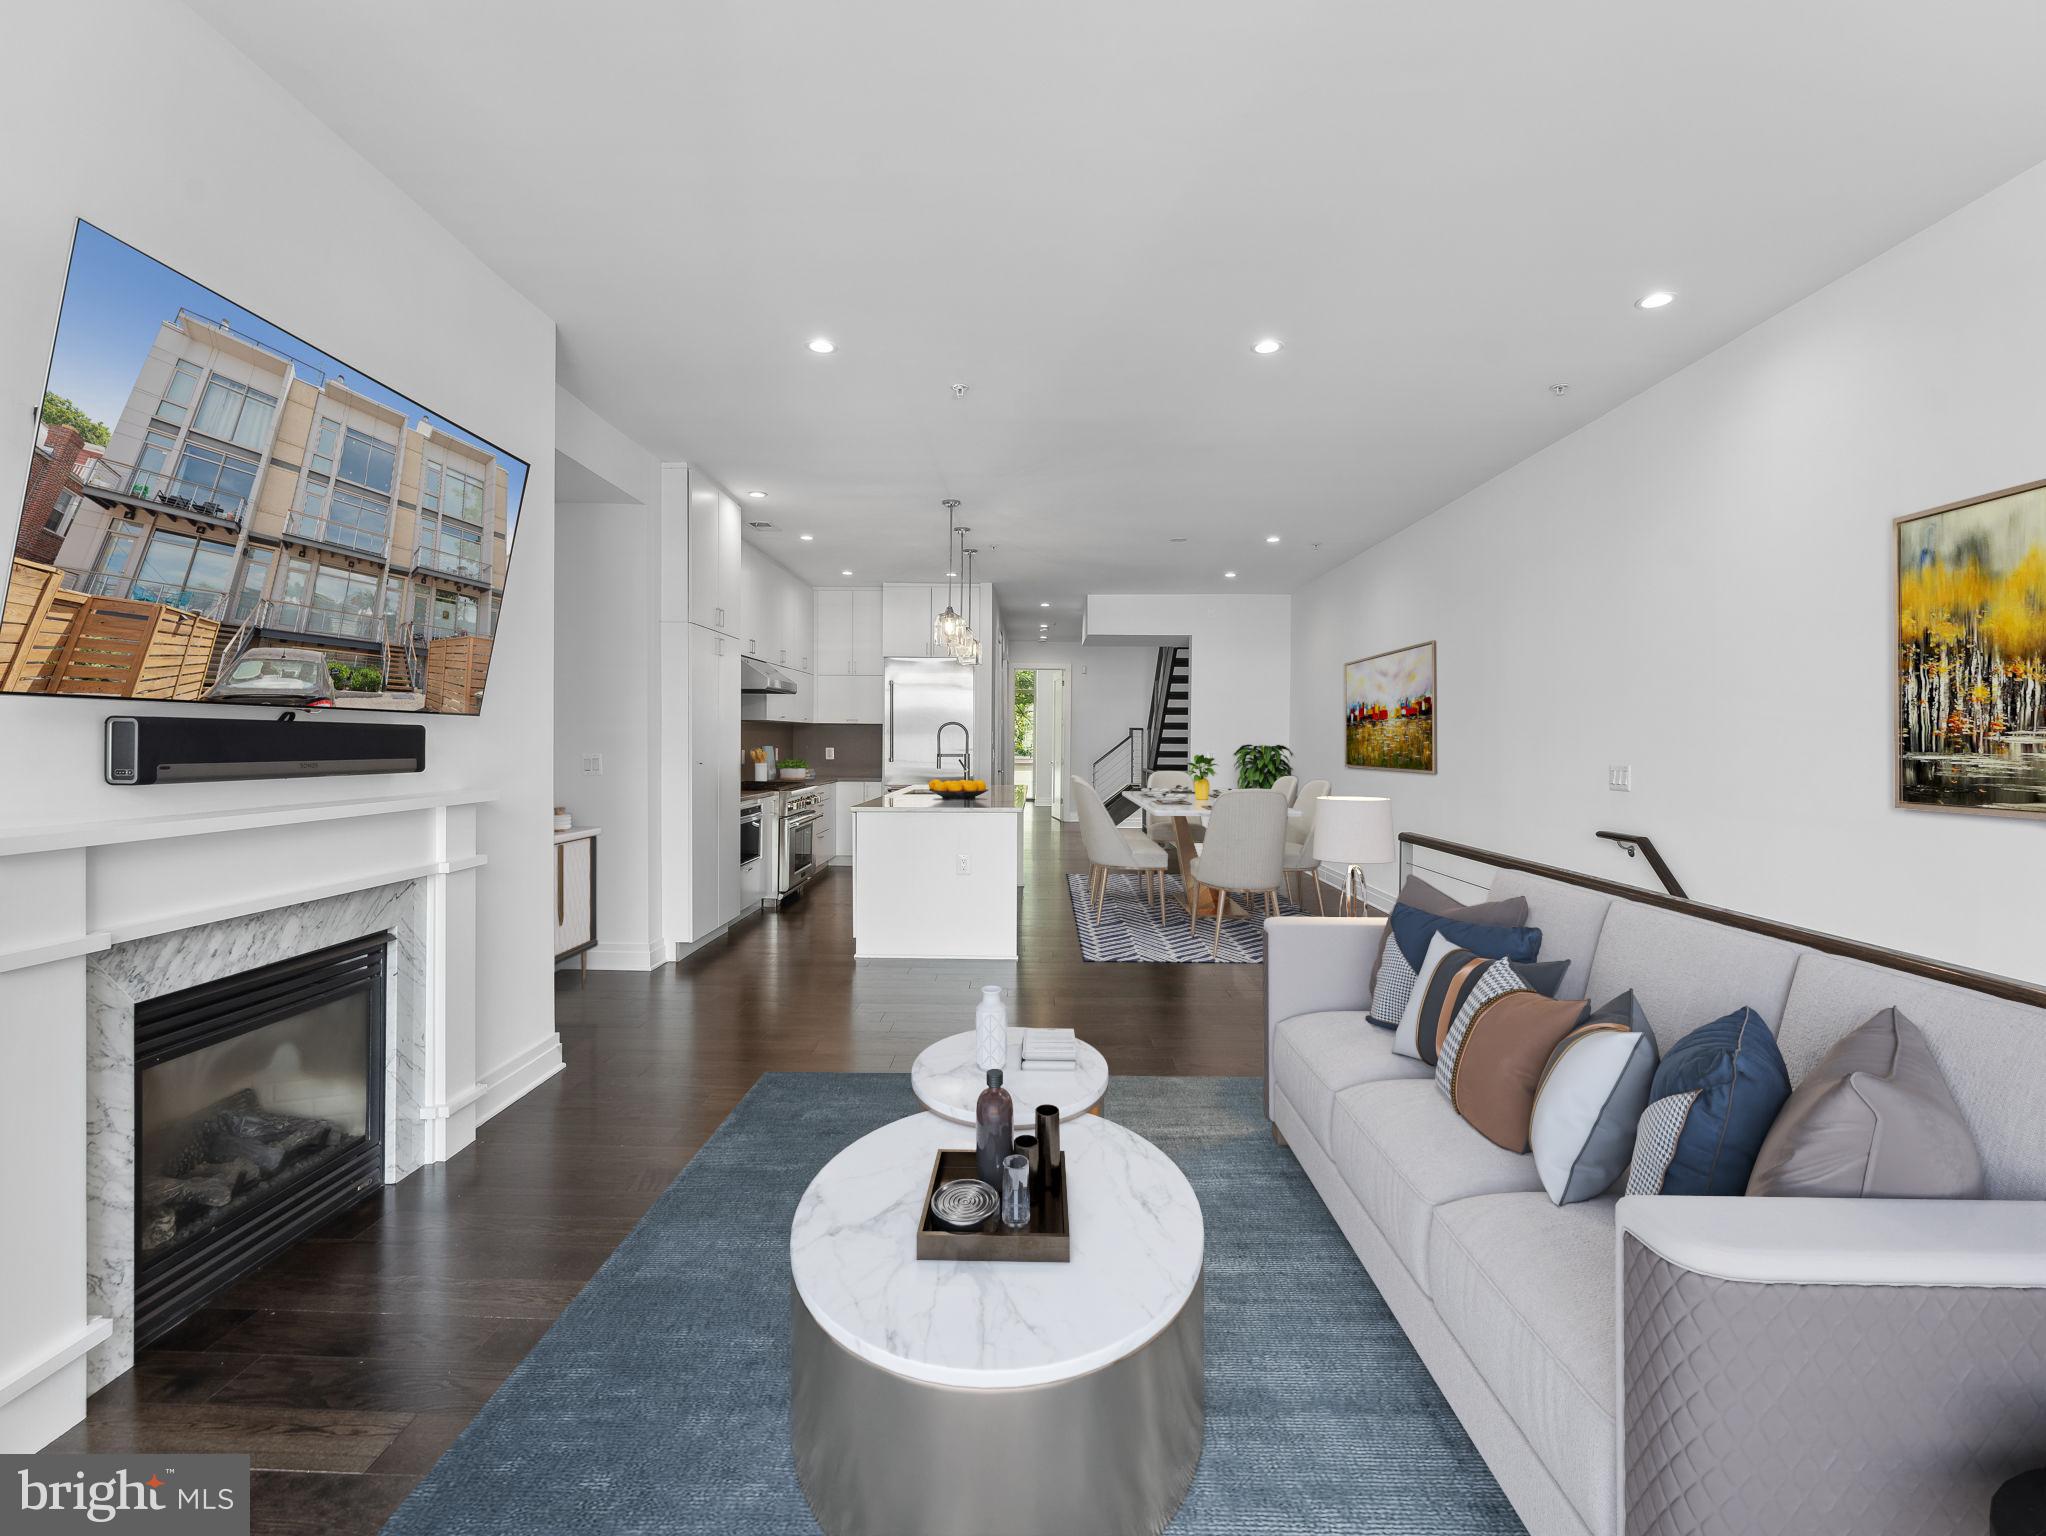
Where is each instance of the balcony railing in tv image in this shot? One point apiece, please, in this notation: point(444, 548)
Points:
point(338, 535)
point(431, 557)
point(160, 488)
point(330, 623)
point(204, 602)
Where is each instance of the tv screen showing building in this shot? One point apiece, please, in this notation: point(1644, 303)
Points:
point(218, 512)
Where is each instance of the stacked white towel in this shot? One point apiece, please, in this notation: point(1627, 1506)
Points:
point(1049, 1050)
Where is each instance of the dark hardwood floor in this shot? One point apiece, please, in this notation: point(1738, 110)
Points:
point(347, 1366)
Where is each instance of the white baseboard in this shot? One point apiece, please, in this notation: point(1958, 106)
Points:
point(620, 957)
point(506, 1085)
point(44, 1396)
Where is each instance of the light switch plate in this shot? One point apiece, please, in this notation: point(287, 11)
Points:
point(830, 754)
point(965, 864)
point(593, 762)
point(1620, 776)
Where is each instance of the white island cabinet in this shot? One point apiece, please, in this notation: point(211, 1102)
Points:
point(937, 879)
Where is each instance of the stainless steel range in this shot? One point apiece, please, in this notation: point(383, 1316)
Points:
point(801, 810)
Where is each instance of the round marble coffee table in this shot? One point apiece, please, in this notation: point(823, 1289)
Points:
point(948, 1084)
point(938, 1396)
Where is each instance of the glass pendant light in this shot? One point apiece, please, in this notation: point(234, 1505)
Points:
point(945, 628)
point(966, 648)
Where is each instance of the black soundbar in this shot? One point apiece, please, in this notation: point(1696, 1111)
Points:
point(169, 749)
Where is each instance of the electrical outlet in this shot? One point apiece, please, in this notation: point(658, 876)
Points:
point(831, 754)
point(593, 762)
point(1620, 776)
point(965, 865)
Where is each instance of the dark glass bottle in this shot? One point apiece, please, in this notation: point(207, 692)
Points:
point(994, 1121)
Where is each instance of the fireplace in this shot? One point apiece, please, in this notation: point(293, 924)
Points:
point(259, 1114)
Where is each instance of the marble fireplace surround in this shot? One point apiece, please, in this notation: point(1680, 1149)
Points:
point(95, 917)
point(128, 974)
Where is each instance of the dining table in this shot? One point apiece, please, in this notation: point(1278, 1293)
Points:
point(1185, 812)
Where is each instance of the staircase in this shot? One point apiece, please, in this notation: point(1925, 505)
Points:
point(1169, 695)
point(397, 665)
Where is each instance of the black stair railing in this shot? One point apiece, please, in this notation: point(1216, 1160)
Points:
point(1630, 842)
point(1121, 766)
point(1161, 690)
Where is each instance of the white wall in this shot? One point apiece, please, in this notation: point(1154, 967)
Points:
point(607, 658)
point(403, 302)
point(1111, 691)
point(1241, 661)
point(1699, 585)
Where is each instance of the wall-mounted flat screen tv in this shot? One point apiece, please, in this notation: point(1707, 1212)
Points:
point(221, 513)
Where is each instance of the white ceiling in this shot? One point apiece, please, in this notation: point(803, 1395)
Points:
point(1088, 212)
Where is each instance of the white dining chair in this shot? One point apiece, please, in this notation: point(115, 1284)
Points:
point(1110, 848)
point(1285, 785)
point(1245, 855)
point(1300, 859)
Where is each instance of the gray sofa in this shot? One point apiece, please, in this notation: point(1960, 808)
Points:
point(1668, 1365)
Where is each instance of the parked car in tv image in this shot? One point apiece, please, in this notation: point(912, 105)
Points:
point(217, 511)
point(274, 675)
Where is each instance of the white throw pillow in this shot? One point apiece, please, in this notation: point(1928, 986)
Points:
point(1406, 1035)
point(1590, 1100)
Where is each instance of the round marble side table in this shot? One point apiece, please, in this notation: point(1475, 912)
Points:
point(948, 1084)
point(933, 1396)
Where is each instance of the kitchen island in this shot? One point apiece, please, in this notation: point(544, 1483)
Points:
point(937, 879)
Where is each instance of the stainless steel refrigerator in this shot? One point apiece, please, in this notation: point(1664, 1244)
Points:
point(922, 699)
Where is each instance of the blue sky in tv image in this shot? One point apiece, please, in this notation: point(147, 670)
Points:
point(115, 297)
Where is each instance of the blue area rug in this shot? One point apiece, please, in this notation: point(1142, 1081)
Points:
point(1129, 928)
point(659, 1401)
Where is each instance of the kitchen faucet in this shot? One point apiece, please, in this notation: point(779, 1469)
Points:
point(965, 754)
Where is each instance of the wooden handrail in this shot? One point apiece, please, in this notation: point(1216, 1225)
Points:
point(1631, 841)
point(2005, 987)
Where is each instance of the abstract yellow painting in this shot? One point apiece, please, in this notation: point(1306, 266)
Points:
point(1971, 655)
point(1389, 710)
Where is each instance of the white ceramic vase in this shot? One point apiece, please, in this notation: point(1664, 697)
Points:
point(991, 1031)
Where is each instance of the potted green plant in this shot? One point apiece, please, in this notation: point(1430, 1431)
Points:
point(1202, 768)
point(1260, 767)
point(794, 768)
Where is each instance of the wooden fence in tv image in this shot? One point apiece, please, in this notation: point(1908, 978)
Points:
point(55, 640)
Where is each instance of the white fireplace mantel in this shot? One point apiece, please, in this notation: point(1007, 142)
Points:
point(69, 892)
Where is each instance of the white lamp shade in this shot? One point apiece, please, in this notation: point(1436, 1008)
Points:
point(1354, 829)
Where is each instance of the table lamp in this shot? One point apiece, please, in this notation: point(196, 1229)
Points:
point(1353, 830)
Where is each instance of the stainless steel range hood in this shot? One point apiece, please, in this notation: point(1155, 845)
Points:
point(759, 677)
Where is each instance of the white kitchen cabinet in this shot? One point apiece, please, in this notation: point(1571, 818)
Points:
point(906, 618)
point(831, 631)
point(848, 700)
point(714, 557)
point(800, 705)
point(867, 651)
point(796, 620)
point(756, 603)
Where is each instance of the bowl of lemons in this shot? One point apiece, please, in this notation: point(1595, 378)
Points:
point(958, 789)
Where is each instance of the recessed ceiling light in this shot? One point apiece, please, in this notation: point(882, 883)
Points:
point(758, 495)
point(1271, 538)
point(1044, 605)
point(1228, 575)
point(845, 573)
point(951, 575)
point(1268, 346)
point(822, 344)
point(1655, 300)
point(806, 537)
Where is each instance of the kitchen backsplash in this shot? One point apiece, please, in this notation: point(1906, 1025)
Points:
point(856, 748)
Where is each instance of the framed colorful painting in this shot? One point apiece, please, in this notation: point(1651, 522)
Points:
point(1389, 710)
point(1971, 655)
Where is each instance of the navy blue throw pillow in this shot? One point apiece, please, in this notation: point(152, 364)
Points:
point(1712, 1101)
point(1412, 929)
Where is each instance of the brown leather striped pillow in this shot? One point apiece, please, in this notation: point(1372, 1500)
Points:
point(1451, 987)
point(1490, 1070)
